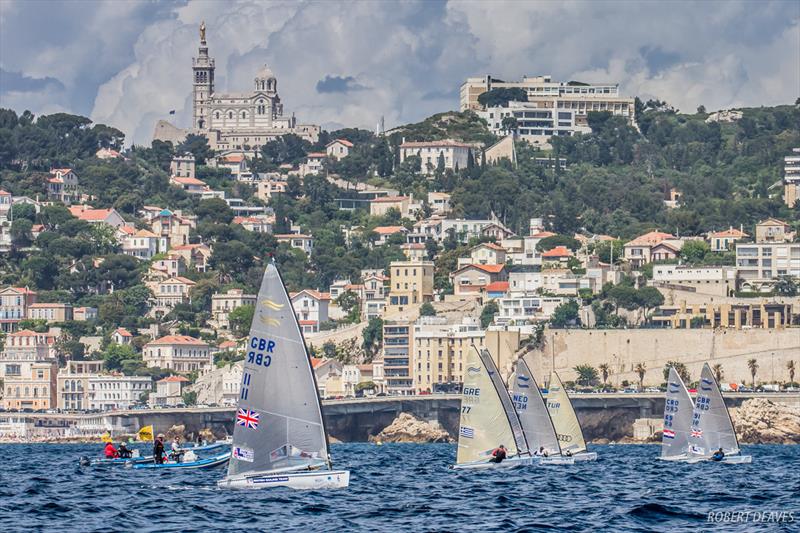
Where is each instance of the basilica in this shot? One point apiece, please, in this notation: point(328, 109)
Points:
point(235, 121)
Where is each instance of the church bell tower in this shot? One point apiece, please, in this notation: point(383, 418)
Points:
point(203, 83)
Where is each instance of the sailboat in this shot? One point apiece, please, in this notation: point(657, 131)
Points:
point(279, 439)
point(678, 409)
point(568, 429)
point(488, 418)
point(712, 427)
point(532, 411)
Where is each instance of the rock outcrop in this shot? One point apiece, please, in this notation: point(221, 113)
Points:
point(762, 421)
point(408, 428)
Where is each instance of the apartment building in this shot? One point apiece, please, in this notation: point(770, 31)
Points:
point(396, 354)
point(758, 265)
point(50, 312)
point(440, 350)
point(33, 388)
point(453, 154)
point(791, 178)
point(116, 391)
point(410, 283)
point(713, 280)
point(180, 353)
point(183, 166)
point(173, 291)
point(223, 303)
point(23, 349)
point(14, 303)
point(72, 384)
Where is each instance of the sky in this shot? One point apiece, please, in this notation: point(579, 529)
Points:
point(127, 63)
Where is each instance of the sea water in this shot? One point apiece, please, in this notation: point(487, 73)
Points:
point(408, 487)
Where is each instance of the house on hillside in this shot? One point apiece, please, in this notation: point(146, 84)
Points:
point(172, 292)
point(338, 149)
point(298, 240)
point(180, 353)
point(311, 308)
point(196, 255)
point(97, 216)
point(638, 251)
point(62, 186)
point(470, 280)
point(724, 241)
point(485, 253)
point(453, 154)
point(183, 166)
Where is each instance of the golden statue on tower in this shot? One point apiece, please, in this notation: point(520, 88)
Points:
point(203, 31)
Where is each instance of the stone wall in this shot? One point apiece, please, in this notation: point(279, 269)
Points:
point(623, 349)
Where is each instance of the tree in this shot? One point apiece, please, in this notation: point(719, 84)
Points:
point(197, 145)
point(189, 398)
point(641, 370)
point(373, 337)
point(427, 309)
point(548, 243)
point(241, 318)
point(785, 286)
point(718, 374)
point(21, 234)
point(501, 97)
point(790, 367)
point(566, 314)
point(587, 374)
point(649, 298)
point(488, 312)
point(701, 110)
point(605, 371)
point(752, 364)
point(680, 368)
point(695, 251)
point(116, 354)
point(349, 303)
point(509, 124)
point(214, 210)
point(610, 250)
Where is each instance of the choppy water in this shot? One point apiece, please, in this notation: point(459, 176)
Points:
point(404, 487)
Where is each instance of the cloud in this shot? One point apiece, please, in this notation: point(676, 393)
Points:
point(16, 81)
point(129, 63)
point(338, 84)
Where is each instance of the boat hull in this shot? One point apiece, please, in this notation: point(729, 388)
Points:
point(557, 460)
point(318, 479)
point(728, 459)
point(587, 456)
point(511, 462)
point(122, 462)
point(210, 462)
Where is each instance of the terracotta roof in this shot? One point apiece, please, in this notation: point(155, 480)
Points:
point(45, 305)
point(365, 368)
point(4, 193)
point(307, 322)
point(293, 236)
point(773, 222)
point(178, 339)
point(55, 180)
point(497, 286)
point(342, 141)
point(22, 290)
point(389, 199)
point(492, 269)
point(413, 246)
point(316, 361)
point(174, 379)
point(60, 170)
point(543, 234)
point(145, 233)
point(126, 229)
point(650, 239)
point(23, 333)
point(185, 281)
point(252, 220)
point(388, 230)
point(234, 158)
point(227, 344)
point(124, 332)
point(187, 247)
point(317, 155)
point(558, 251)
point(490, 245)
point(311, 292)
point(187, 181)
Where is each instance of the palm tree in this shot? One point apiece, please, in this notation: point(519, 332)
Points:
point(604, 370)
point(790, 368)
point(586, 374)
point(752, 364)
point(717, 372)
point(641, 370)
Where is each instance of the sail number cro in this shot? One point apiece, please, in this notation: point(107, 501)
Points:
point(260, 355)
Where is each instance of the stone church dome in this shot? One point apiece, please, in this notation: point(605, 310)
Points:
point(265, 73)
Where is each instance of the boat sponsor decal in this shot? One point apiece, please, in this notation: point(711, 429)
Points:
point(269, 321)
point(275, 306)
point(473, 370)
point(669, 434)
point(522, 382)
point(564, 438)
point(674, 387)
point(466, 432)
point(696, 433)
point(247, 418)
point(244, 454)
point(279, 479)
point(705, 384)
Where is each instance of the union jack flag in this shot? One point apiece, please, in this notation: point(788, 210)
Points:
point(669, 434)
point(247, 418)
point(697, 433)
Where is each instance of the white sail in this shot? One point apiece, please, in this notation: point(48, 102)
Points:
point(678, 408)
point(532, 411)
point(505, 399)
point(279, 425)
point(564, 418)
point(484, 423)
point(712, 427)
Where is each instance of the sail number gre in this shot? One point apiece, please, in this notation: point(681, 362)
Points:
point(258, 356)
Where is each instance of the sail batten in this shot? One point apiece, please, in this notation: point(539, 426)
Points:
point(565, 421)
point(279, 425)
point(532, 411)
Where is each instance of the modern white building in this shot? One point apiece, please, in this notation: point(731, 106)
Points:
point(758, 265)
point(454, 154)
point(115, 391)
point(716, 280)
point(520, 308)
point(791, 178)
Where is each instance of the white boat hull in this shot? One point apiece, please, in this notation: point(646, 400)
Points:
point(586, 456)
point(556, 460)
point(729, 459)
point(318, 479)
point(511, 462)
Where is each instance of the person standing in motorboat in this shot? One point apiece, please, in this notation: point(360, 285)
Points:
point(124, 452)
point(176, 453)
point(498, 454)
point(158, 449)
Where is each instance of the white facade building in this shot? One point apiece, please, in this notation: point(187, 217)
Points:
point(455, 154)
point(108, 392)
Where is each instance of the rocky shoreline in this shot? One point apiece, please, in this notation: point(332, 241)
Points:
point(408, 428)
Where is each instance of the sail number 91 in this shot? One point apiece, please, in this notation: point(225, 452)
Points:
point(258, 356)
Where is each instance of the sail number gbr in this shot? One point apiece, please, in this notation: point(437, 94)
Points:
point(261, 350)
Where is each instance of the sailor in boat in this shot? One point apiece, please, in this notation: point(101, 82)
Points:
point(541, 452)
point(110, 451)
point(719, 455)
point(124, 452)
point(176, 454)
point(158, 449)
point(498, 454)
point(568, 453)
